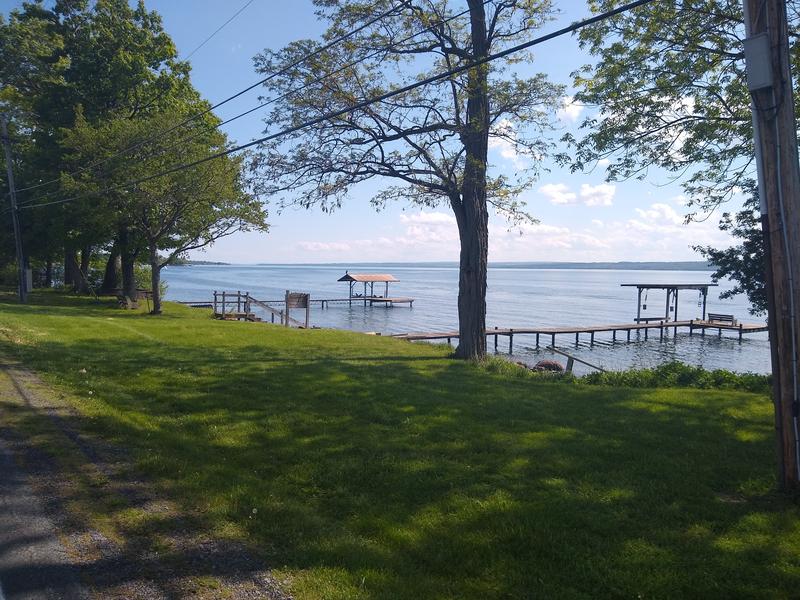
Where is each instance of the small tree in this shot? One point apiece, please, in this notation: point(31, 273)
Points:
point(432, 142)
point(167, 216)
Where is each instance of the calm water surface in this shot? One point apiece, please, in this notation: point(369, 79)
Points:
point(516, 297)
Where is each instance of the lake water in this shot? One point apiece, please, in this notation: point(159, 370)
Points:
point(516, 297)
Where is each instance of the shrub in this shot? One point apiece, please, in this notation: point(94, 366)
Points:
point(677, 374)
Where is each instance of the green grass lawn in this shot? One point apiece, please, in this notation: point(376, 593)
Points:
point(366, 467)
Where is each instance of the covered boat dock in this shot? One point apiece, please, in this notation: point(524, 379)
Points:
point(369, 280)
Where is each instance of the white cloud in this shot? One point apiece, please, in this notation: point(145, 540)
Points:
point(558, 193)
point(591, 195)
point(603, 162)
point(598, 195)
point(503, 139)
point(570, 110)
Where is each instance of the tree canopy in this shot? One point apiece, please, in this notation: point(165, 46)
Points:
point(669, 86)
point(89, 86)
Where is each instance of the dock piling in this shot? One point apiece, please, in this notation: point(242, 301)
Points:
point(510, 341)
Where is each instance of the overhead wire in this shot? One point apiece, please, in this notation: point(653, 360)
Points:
point(288, 93)
point(218, 29)
point(195, 116)
point(367, 102)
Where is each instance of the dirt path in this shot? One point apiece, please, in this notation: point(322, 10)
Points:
point(76, 521)
point(33, 563)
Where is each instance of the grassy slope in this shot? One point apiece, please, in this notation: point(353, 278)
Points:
point(371, 468)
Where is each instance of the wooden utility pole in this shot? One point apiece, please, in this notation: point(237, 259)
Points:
point(770, 84)
point(14, 212)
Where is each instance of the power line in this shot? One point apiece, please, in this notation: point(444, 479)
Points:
point(292, 91)
point(269, 77)
point(367, 102)
point(218, 29)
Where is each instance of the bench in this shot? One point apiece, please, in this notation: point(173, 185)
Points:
point(719, 318)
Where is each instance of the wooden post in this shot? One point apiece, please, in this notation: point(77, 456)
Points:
point(661, 332)
point(705, 299)
point(21, 279)
point(215, 302)
point(740, 333)
point(645, 333)
point(495, 340)
point(591, 341)
point(775, 136)
point(666, 309)
point(691, 327)
point(553, 341)
point(577, 339)
point(675, 313)
point(286, 308)
point(614, 336)
point(238, 301)
point(639, 306)
point(308, 311)
point(537, 340)
point(510, 341)
point(629, 336)
point(570, 364)
point(223, 304)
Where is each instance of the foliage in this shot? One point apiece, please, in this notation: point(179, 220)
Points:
point(366, 467)
point(144, 277)
point(677, 374)
point(669, 83)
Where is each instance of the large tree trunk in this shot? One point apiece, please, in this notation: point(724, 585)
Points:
point(83, 272)
point(112, 274)
point(155, 280)
point(48, 273)
point(128, 258)
point(471, 211)
point(71, 272)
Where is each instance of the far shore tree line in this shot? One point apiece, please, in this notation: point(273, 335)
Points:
point(84, 80)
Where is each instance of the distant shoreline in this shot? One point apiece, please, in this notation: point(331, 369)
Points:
point(604, 266)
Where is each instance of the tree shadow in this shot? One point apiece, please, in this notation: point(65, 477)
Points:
point(385, 475)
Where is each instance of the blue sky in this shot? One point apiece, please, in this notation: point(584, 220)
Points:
point(582, 218)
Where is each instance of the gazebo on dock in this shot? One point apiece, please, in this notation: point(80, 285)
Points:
point(671, 304)
point(369, 280)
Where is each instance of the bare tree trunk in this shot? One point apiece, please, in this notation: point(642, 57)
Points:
point(112, 274)
point(82, 284)
point(71, 275)
point(128, 257)
point(48, 273)
point(471, 211)
point(155, 280)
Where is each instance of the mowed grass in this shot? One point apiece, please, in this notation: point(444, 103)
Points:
point(365, 467)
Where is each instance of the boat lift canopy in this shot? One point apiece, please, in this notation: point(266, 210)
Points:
point(672, 293)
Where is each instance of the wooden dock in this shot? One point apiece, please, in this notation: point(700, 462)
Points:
point(625, 328)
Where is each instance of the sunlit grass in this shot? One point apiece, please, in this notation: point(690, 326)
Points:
point(365, 467)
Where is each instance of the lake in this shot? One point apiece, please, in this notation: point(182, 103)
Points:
point(516, 297)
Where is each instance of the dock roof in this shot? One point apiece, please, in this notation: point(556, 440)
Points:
point(367, 277)
point(670, 286)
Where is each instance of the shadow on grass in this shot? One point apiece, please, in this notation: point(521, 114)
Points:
point(364, 472)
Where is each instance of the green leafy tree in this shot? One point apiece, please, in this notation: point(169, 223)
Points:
point(104, 58)
point(429, 145)
point(166, 216)
point(669, 83)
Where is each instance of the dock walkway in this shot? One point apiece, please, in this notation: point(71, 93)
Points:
point(693, 325)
